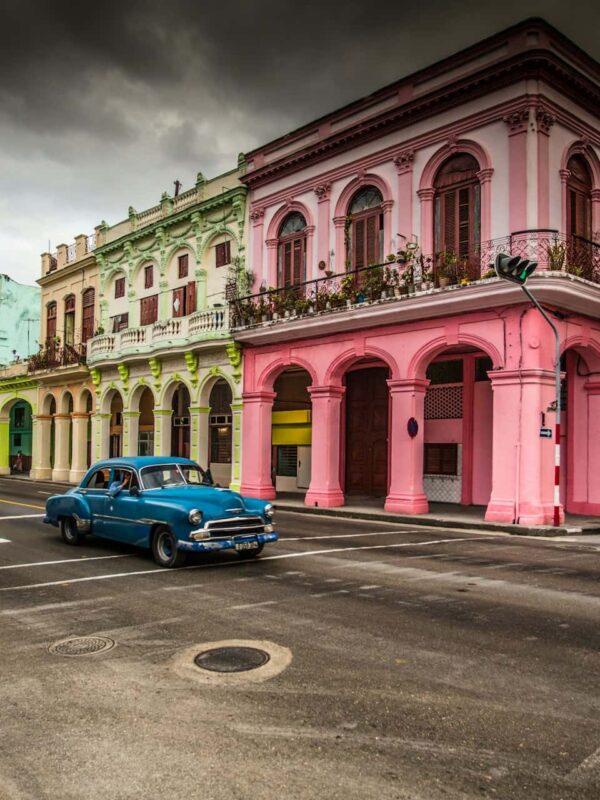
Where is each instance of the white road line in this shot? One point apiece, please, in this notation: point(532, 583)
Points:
point(44, 492)
point(163, 571)
point(4, 541)
point(63, 561)
point(254, 605)
point(344, 535)
point(22, 516)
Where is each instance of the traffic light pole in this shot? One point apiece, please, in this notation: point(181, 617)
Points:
point(558, 392)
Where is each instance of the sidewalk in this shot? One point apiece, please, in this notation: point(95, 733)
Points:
point(441, 515)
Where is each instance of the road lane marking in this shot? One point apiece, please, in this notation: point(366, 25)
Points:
point(345, 535)
point(4, 541)
point(254, 605)
point(23, 516)
point(49, 493)
point(64, 561)
point(163, 571)
point(26, 505)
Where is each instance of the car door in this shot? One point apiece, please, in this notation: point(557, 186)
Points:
point(123, 512)
point(95, 492)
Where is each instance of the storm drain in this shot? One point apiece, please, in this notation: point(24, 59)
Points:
point(82, 646)
point(232, 659)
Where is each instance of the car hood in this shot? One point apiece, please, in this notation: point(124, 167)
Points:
point(211, 500)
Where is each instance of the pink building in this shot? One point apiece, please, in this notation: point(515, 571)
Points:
point(380, 357)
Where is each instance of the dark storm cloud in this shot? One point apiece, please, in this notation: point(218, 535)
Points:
point(103, 104)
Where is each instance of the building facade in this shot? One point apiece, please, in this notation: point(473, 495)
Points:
point(381, 357)
point(165, 371)
point(65, 397)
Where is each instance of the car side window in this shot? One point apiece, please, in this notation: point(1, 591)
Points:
point(124, 480)
point(98, 479)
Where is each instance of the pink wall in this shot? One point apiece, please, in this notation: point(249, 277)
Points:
point(482, 442)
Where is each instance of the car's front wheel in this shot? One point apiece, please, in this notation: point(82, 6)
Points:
point(164, 549)
point(70, 532)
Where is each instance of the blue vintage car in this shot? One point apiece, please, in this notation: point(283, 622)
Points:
point(169, 505)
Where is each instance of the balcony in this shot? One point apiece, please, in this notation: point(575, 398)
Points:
point(413, 273)
point(53, 356)
point(203, 325)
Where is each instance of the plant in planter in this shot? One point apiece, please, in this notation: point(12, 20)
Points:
point(490, 273)
point(557, 253)
point(447, 266)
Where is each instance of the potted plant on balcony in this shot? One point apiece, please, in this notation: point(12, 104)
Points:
point(557, 253)
point(447, 263)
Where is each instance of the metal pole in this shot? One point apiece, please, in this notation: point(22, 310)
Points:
point(557, 425)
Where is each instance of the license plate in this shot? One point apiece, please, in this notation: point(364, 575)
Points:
point(246, 545)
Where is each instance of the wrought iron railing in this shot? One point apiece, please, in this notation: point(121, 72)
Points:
point(404, 276)
point(53, 356)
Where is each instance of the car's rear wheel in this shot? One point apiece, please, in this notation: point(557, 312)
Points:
point(164, 549)
point(70, 532)
point(246, 554)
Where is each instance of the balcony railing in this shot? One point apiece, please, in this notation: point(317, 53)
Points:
point(412, 272)
point(212, 323)
point(53, 356)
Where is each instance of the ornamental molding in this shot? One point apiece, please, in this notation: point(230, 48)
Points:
point(545, 120)
point(404, 161)
point(257, 215)
point(517, 121)
point(323, 191)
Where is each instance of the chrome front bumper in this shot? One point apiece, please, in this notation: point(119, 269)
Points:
point(211, 545)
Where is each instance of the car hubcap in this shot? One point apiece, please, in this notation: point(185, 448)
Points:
point(164, 547)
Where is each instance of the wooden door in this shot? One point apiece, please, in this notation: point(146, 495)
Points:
point(367, 432)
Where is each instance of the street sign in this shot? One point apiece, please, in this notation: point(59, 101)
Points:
point(545, 433)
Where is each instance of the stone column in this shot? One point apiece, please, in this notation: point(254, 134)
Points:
point(323, 192)
point(199, 434)
point(256, 445)
point(5, 446)
point(257, 218)
point(427, 243)
point(523, 463)
point(79, 447)
point(100, 436)
point(517, 122)
point(131, 432)
point(62, 460)
point(236, 444)
point(41, 468)
point(325, 490)
point(404, 167)
point(162, 431)
point(406, 494)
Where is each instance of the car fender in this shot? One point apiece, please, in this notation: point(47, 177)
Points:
point(68, 505)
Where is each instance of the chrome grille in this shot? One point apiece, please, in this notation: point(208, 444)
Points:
point(235, 526)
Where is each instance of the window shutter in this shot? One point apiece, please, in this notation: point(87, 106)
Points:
point(148, 276)
point(178, 306)
point(182, 263)
point(286, 267)
point(359, 243)
point(190, 297)
point(148, 310)
point(450, 220)
point(297, 276)
point(372, 224)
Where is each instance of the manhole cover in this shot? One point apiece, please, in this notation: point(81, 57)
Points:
point(82, 646)
point(232, 659)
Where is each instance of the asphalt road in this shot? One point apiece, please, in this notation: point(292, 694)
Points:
point(406, 663)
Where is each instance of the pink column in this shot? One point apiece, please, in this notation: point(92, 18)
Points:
point(517, 123)
point(595, 212)
point(323, 192)
point(523, 463)
point(485, 181)
point(311, 267)
point(404, 167)
point(387, 206)
point(340, 244)
point(591, 444)
point(257, 217)
point(544, 121)
point(271, 262)
point(565, 174)
point(325, 490)
point(406, 495)
point(256, 445)
point(426, 197)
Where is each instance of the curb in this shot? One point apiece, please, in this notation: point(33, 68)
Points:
point(440, 522)
point(37, 481)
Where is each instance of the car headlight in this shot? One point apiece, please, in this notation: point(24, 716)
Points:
point(195, 516)
point(269, 510)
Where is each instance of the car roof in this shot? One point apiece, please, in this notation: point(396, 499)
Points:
point(137, 462)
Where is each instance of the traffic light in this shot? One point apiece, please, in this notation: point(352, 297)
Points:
point(514, 268)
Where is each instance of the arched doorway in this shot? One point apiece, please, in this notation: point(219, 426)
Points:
point(457, 459)
point(180, 422)
point(364, 229)
point(20, 437)
point(291, 431)
point(367, 416)
point(457, 218)
point(220, 432)
point(115, 442)
point(145, 444)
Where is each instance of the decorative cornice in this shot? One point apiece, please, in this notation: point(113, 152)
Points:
point(323, 191)
point(485, 175)
point(257, 214)
point(545, 120)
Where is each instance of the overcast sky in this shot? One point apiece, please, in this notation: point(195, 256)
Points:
point(103, 105)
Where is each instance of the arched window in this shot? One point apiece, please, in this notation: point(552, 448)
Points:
point(365, 228)
point(458, 207)
point(291, 251)
point(579, 198)
point(70, 320)
point(50, 323)
point(87, 323)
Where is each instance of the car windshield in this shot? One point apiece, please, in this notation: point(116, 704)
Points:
point(164, 475)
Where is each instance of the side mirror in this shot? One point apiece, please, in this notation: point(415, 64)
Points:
point(134, 491)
